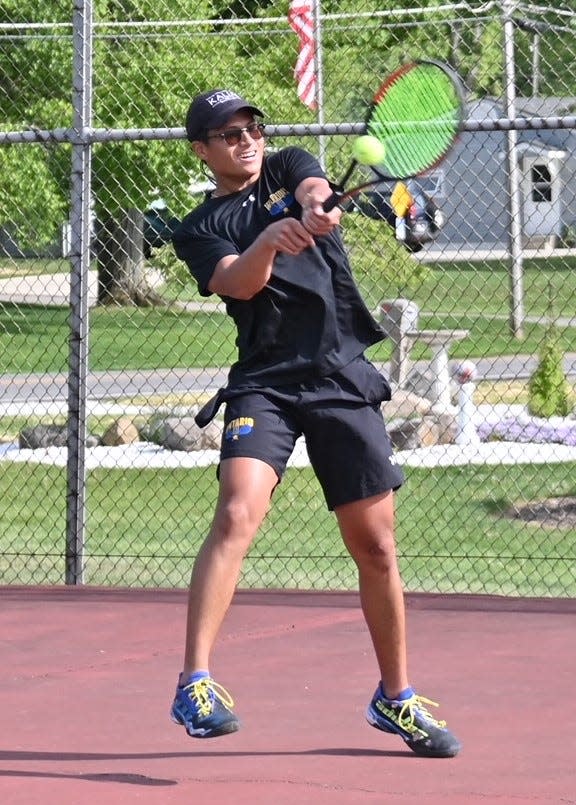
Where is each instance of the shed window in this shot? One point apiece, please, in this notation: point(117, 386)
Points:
point(541, 184)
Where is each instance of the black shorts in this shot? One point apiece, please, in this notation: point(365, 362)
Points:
point(341, 421)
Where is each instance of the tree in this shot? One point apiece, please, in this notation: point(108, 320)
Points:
point(146, 73)
point(25, 172)
point(34, 180)
point(548, 389)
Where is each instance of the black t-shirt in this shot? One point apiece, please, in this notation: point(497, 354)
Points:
point(309, 320)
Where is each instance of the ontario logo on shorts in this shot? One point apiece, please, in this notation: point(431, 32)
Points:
point(242, 426)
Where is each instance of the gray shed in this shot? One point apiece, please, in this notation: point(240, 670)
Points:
point(471, 186)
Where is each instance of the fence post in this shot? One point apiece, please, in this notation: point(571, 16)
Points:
point(81, 187)
point(515, 236)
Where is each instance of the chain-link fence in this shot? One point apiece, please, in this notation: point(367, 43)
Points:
point(107, 349)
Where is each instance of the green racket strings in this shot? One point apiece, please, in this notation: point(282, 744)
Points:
point(417, 119)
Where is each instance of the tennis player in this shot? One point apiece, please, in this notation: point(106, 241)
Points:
point(262, 243)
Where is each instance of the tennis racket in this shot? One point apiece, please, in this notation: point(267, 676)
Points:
point(416, 115)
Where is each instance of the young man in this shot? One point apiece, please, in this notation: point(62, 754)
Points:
point(263, 243)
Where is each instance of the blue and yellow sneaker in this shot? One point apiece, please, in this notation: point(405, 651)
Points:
point(203, 708)
point(409, 718)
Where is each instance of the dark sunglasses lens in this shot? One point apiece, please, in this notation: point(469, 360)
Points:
point(233, 136)
point(256, 131)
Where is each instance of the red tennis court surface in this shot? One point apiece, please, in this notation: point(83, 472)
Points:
point(88, 678)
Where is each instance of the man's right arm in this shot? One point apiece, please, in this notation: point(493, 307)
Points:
point(242, 276)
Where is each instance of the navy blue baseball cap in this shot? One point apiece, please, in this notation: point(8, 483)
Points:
point(211, 110)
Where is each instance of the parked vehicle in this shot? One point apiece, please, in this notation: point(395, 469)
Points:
point(159, 226)
point(407, 208)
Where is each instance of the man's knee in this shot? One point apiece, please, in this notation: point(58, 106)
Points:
point(237, 519)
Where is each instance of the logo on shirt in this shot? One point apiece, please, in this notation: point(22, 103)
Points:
point(241, 426)
point(279, 202)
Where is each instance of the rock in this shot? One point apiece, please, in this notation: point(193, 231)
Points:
point(420, 383)
point(42, 436)
point(122, 431)
point(405, 404)
point(447, 428)
point(414, 433)
point(182, 433)
point(404, 435)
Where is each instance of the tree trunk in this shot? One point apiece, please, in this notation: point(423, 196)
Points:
point(120, 260)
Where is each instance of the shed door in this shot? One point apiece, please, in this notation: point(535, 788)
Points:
point(541, 196)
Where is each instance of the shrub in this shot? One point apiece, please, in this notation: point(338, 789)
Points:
point(548, 389)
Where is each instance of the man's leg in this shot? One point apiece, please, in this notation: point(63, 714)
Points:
point(367, 527)
point(368, 530)
point(201, 705)
point(246, 485)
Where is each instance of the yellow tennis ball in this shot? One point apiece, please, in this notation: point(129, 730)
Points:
point(368, 150)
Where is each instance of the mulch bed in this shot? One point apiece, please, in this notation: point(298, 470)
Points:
point(552, 512)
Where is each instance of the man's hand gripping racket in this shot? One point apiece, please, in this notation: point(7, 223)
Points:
point(411, 125)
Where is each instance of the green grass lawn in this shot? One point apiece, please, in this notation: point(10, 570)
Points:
point(35, 339)
point(483, 288)
point(11, 267)
point(145, 526)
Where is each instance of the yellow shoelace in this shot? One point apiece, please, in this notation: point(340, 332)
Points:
point(204, 691)
point(407, 712)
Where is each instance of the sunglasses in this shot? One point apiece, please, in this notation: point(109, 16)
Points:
point(234, 136)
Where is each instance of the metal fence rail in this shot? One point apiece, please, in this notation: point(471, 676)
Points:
point(107, 350)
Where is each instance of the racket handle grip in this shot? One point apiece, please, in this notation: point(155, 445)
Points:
point(331, 202)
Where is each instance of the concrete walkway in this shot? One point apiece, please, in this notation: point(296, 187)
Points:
point(53, 289)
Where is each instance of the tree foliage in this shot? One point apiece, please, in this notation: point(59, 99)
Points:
point(379, 261)
point(32, 173)
point(145, 75)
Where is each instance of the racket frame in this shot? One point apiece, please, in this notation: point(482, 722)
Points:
point(340, 194)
